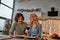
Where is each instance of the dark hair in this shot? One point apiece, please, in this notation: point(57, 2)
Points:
point(18, 15)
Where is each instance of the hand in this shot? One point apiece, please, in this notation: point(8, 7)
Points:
point(24, 36)
point(12, 36)
point(15, 36)
point(37, 37)
point(26, 31)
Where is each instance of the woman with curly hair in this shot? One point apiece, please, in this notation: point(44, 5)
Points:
point(35, 27)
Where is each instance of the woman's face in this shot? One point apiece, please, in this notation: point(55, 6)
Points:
point(20, 19)
point(34, 22)
point(31, 19)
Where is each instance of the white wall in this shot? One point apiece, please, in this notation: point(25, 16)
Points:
point(45, 6)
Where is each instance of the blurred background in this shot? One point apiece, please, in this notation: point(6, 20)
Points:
point(50, 24)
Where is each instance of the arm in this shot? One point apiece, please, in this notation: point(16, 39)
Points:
point(29, 32)
point(26, 32)
point(39, 29)
point(12, 30)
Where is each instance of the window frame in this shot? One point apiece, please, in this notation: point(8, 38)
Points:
point(4, 18)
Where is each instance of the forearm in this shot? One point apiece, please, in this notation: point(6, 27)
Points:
point(11, 35)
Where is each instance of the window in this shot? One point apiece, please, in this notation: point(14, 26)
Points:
point(5, 12)
point(6, 7)
point(1, 24)
point(8, 2)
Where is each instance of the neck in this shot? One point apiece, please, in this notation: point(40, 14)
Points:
point(20, 22)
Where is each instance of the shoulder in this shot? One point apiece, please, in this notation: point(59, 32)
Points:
point(15, 23)
point(39, 25)
point(24, 22)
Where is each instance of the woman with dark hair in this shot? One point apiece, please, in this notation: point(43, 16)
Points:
point(18, 28)
point(19, 15)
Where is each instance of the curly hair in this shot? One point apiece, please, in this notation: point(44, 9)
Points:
point(34, 16)
point(17, 16)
